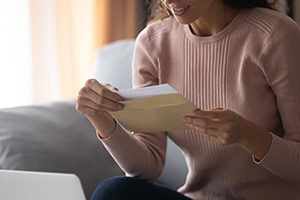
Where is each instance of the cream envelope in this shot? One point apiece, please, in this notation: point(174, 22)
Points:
point(156, 113)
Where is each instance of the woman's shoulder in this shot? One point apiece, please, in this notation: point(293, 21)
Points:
point(268, 21)
point(159, 29)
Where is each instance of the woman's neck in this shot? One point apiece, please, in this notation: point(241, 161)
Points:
point(214, 21)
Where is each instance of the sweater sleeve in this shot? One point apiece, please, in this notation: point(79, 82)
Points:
point(281, 62)
point(139, 154)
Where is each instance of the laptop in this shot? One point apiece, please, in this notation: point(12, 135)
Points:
point(15, 185)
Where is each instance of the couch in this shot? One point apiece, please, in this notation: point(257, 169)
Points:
point(54, 137)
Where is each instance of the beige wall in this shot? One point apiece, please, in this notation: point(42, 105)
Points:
point(65, 37)
point(44, 59)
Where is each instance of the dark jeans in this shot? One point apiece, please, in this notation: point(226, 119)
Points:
point(123, 188)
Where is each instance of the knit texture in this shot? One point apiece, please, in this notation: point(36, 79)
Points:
point(251, 67)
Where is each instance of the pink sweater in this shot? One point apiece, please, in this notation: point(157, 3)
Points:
point(251, 67)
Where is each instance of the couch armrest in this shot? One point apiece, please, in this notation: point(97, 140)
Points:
point(55, 138)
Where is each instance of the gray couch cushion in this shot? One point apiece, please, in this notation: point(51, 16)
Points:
point(54, 138)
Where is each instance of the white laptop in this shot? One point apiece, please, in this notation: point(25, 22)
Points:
point(16, 185)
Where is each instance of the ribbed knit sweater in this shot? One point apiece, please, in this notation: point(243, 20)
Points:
point(251, 67)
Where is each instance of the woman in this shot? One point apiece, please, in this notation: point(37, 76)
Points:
point(238, 62)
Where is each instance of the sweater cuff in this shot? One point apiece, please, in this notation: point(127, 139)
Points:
point(276, 154)
point(118, 135)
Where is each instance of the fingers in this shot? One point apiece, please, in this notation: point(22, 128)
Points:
point(206, 131)
point(101, 101)
point(90, 104)
point(205, 122)
point(85, 110)
point(103, 91)
point(213, 134)
point(95, 98)
point(217, 113)
point(219, 125)
point(109, 86)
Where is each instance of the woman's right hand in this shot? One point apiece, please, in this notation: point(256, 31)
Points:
point(94, 100)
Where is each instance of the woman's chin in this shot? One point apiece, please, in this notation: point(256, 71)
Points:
point(182, 20)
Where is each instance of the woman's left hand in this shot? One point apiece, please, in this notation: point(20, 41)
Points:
point(227, 127)
point(220, 125)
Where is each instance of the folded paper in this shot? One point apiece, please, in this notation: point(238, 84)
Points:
point(155, 113)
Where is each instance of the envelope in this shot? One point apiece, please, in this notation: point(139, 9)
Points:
point(155, 113)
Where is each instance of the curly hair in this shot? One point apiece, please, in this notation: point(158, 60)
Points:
point(159, 11)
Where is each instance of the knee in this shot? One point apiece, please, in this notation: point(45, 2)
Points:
point(116, 188)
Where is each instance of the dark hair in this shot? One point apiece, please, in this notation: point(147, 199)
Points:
point(159, 11)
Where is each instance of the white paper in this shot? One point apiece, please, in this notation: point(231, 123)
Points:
point(141, 93)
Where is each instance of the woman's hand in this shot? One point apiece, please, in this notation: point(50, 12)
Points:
point(220, 125)
point(226, 127)
point(97, 99)
point(94, 101)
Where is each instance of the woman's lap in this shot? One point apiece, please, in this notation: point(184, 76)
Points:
point(122, 188)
